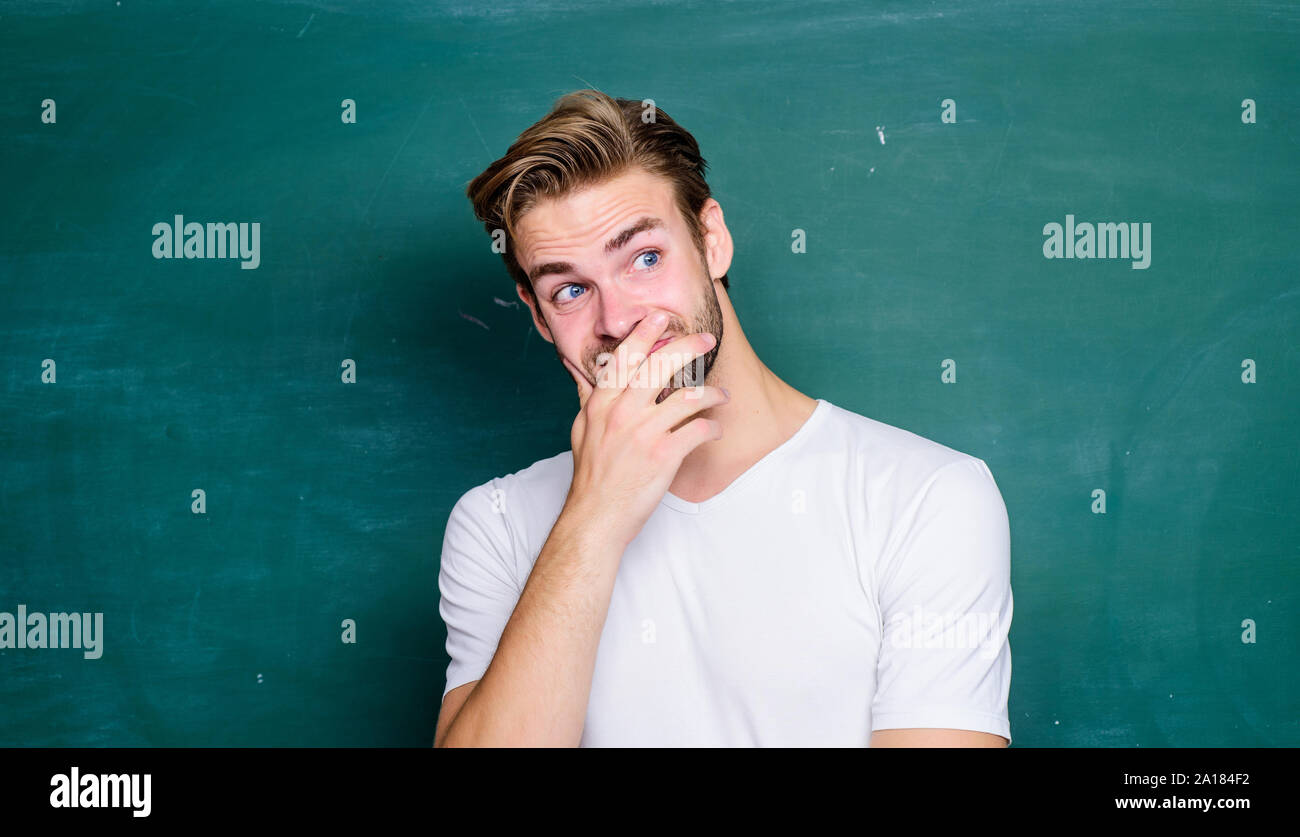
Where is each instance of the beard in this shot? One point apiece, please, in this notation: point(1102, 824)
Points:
point(707, 317)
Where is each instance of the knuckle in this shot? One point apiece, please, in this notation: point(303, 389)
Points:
point(616, 418)
point(649, 436)
point(661, 453)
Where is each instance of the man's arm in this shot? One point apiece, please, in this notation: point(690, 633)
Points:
point(944, 666)
point(535, 691)
point(935, 738)
point(451, 705)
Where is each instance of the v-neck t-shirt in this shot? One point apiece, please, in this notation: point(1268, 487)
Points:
point(855, 578)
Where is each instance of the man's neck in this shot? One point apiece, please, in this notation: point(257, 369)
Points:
point(763, 413)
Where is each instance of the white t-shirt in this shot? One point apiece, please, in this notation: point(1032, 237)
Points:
point(856, 578)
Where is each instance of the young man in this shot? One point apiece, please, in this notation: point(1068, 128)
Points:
point(727, 564)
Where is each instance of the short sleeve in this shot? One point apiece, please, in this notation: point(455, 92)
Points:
point(945, 600)
point(477, 583)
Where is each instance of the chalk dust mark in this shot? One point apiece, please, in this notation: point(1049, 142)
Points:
point(474, 320)
point(305, 25)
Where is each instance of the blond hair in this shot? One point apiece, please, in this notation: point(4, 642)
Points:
point(586, 138)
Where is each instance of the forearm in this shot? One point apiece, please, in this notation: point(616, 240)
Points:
point(535, 691)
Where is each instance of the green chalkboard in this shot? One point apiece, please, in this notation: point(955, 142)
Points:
point(333, 400)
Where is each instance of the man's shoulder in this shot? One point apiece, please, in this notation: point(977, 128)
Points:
point(544, 474)
point(529, 492)
point(915, 485)
point(888, 450)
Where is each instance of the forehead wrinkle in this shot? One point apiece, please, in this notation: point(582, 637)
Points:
point(642, 224)
point(648, 219)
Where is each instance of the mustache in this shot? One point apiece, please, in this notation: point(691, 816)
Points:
point(672, 331)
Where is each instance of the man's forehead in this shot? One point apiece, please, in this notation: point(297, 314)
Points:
point(596, 215)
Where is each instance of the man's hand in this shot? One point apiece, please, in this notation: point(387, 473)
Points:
point(625, 450)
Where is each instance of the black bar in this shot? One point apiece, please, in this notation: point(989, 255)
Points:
point(332, 787)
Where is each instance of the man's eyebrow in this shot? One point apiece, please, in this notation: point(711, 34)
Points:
point(618, 242)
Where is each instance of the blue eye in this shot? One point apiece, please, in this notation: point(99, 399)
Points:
point(561, 289)
point(558, 297)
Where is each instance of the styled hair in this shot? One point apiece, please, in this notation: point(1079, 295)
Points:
point(586, 138)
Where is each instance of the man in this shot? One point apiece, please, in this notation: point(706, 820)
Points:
point(731, 563)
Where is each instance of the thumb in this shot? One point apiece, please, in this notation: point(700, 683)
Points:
point(584, 386)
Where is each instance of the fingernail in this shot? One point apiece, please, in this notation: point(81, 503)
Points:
point(660, 318)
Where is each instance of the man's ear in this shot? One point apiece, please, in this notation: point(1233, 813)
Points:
point(538, 322)
point(718, 247)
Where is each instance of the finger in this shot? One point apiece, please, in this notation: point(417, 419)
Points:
point(683, 403)
point(661, 368)
point(631, 353)
point(691, 436)
point(584, 386)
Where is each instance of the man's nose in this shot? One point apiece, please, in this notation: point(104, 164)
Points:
point(620, 314)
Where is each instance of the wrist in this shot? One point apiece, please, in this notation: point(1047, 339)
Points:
point(587, 525)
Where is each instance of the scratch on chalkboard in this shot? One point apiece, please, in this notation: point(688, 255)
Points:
point(384, 178)
point(194, 606)
point(505, 303)
point(401, 657)
point(356, 296)
point(305, 25)
point(475, 125)
point(475, 320)
point(155, 91)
